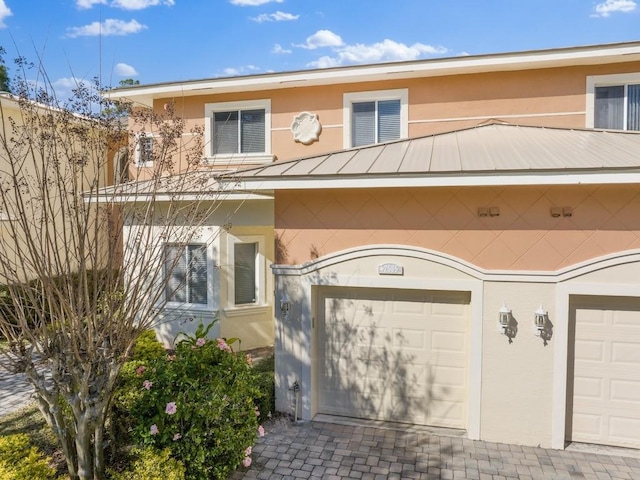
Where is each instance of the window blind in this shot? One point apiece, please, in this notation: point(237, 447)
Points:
point(363, 126)
point(225, 132)
point(245, 272)
point(252, 131)
point(609, 107)
point(388, 120)
point(633, 107)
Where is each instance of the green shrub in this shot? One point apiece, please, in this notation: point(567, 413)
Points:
point(151, 464)
point(147, 347)
point(21, 461)
point(200, 404)
point(128, 389)
point(265, 381)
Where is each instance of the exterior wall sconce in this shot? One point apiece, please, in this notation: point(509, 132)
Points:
point(561, 212)
point(504, 318)
point(488, 211)
point(285, 304)
point(540, 319)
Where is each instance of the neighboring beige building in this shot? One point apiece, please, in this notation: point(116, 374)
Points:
point(456, 241)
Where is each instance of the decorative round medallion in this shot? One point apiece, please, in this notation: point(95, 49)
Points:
point(306, 128)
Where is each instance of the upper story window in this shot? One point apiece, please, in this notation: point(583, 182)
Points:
point(375, 117)
point(238, 132)
point(613, 102)
point(187, 275)
point(144, 150)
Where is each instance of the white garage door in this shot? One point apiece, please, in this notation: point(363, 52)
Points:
point(606, 386)
point(398, 355)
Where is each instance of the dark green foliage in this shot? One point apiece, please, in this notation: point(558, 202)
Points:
point(265, 381)
point(200, 403)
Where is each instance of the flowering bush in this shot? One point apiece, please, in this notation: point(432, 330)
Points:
point(200, 404)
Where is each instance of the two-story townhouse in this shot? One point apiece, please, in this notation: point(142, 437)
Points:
point(456, 240)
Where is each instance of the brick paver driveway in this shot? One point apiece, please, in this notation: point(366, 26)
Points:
point(328, 451)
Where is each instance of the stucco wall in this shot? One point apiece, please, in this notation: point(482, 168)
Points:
point(525, 236)
point(517, 377)
point(547, 97)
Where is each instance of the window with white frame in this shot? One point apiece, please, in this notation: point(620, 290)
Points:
point(613, 102)
point(246, 270)
point(186, 272)
point(144, 150)
point(239, 131)
point(375, 117)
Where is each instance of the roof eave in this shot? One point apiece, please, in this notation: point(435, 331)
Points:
point(453, 179)
point(574, 56)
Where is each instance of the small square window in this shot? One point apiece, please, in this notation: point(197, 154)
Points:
point(238, 132)
point(375, 117)
point(613, 102)
point(144, 150)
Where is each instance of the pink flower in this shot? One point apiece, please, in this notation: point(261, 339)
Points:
point(200, 342)
point(154, 429)
point(177, 437)
point(147, 384)
point(140, 370)
point(222, 345)
point(247, 452)
point(247, 461)
point(249, 359)
point(171, 358)
point(171, 408)
point(257, 411)
point(261, 431)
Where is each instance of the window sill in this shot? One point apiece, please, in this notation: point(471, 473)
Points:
point(240, 159)
point(238, 311)
point(187, 308)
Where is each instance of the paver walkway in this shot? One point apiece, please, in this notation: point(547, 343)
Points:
point(317, 450)
point(15, 392)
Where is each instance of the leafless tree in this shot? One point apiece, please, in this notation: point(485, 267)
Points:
point(74, 300)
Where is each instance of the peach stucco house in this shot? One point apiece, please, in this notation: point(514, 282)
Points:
point(455, 242)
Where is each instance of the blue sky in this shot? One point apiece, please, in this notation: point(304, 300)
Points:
point(170, 40)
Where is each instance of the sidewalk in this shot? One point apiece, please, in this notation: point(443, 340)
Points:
point(15, 392)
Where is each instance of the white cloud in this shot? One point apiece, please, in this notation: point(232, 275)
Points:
point(275, 17)
point(233, 71)
point(322, 38)
point(124, 70)
point(253, 3)
point(4, 13)
point(84, 4)
point(124, 4)
point(277, 48)
point(63, 87)
point(140, 4)
point(110, 27)
point(385, 51)
point(608, 7)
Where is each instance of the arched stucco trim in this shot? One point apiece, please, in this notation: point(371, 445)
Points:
point(561, 275)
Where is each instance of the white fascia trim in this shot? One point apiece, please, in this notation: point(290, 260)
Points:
point(447, 66)
point(237, 158)
point(348, 99)
point(459, 179)
point(141, 198)
point(594, 81)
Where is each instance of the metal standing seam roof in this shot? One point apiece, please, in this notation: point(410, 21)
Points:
point(498, 148)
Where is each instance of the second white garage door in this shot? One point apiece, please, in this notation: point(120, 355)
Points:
point(605, 393)
point(398, 355)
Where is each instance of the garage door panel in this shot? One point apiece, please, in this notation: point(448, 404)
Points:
point(399, 360)
point(606, 377)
